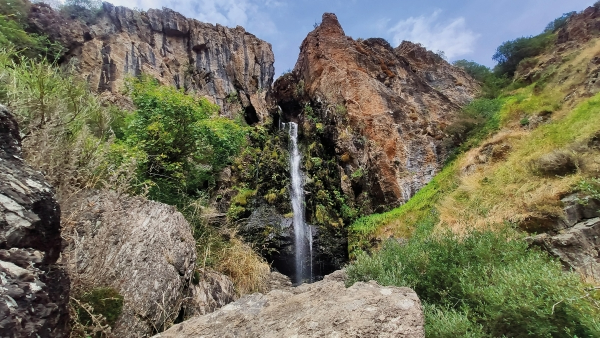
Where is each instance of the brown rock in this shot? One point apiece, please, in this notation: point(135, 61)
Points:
point(389, 106)
point(213, 61)
point(34, 291)
point(323, 309)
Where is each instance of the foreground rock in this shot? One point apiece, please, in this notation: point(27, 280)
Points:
point(229, 65)
point(144, 250)
point(322, 309)
point(34, 291)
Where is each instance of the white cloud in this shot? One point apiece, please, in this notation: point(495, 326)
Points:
point(453, 37)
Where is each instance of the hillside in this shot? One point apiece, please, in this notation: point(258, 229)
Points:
point(531, 173)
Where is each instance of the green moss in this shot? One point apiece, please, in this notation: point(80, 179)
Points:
point(105, 301)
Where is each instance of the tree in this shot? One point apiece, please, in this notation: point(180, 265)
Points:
point(510, 53)
point(559, 22)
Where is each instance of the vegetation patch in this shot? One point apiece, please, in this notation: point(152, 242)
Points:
point(484, 283)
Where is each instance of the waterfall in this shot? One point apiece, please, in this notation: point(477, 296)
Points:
point(302, 231)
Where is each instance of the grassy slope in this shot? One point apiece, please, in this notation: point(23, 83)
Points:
point(469, 193)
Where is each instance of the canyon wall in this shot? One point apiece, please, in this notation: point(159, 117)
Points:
point(229, 65)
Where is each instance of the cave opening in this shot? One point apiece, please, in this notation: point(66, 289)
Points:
point(250, 115)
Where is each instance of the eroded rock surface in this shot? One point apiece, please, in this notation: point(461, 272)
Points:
point(575, 238)
point(388, 106)
point(145, 250)
point(34, 291)
point(323, 309)
point(229, 65)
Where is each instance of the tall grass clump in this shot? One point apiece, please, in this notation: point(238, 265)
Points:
point(66, 130)
point(484, 283)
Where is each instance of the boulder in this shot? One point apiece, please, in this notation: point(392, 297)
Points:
point(323, 309)
point(34, 291)
point(575, 238)
point(146, 252)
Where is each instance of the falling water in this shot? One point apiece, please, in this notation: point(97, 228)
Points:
point(302, 232)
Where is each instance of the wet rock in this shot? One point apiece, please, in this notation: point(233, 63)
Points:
point(323, 309)
point(34, 291)
point(214, 61)
point(273, 234)
point(145, 250)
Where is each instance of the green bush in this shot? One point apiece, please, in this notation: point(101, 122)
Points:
point(186, 145)
point(13, 26)
point(559, 22)
point(483, 284)
point(511, 53)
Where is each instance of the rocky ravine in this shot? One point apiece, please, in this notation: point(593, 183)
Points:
point(228, 65)
point(34, 291)
point(323, 309)
point(395, 102)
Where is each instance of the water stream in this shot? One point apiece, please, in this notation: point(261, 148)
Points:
point(302, 231)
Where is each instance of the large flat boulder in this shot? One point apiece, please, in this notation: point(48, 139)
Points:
point(34, 291)
point(323, 309)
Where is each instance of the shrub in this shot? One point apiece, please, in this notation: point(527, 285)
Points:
point(13, 26)
point(559, 22)
point(555, 163)
point(511, 53)
point(248, 271)
point(491, 84)
point(483, 284)
point(185, 144)
point(66, 129)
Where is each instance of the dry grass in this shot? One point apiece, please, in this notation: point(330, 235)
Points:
point(248, 271)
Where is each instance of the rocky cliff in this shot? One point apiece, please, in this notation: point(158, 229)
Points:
point(34, 291)
point(384, 109)
point(229, 65)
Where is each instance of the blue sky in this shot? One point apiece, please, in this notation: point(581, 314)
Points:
point(470, 29)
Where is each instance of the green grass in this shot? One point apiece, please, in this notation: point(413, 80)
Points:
point(404, 217)
point(483, 284)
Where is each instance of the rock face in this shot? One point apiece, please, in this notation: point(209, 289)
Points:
point(388, 107)
point(581, 27)
point(322, 309)
point(229, 65)
point(145, 250)
point(34, 291)
point(575, 239)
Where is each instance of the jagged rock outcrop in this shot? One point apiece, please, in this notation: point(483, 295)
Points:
point(581, 27)
point(229, 65)
point(323, 309)
point(144, 250)
point(575, 238)
point(34, 291)
point(388, 108)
